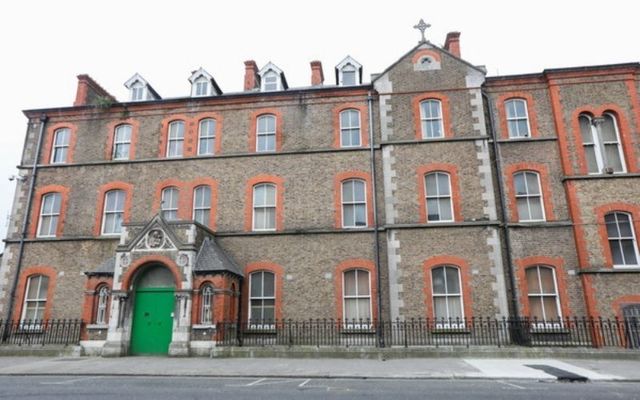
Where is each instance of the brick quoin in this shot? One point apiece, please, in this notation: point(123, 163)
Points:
point(465, 276)
point(452, 170)
point(355, 264)
point(632, 209)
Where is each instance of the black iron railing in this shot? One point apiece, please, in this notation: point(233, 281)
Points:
point(565, 332)
point(41, 332)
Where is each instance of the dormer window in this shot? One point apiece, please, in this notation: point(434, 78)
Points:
point(272, 78)
point(140, 90)
point(270, 82)
point(348, 75)
point(137, 92)
point(348, 72)
point(203, 84)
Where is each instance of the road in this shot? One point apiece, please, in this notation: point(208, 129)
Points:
point(160, 388)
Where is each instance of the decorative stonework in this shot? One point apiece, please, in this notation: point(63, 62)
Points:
point(156, 239)
point(183, 260)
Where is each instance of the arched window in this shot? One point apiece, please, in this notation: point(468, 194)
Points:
point(350, 128)
point(438, 195)
point(266, 133)
point(175, 138)
point(356, 297)
point(206, 305)
point(542, 290)
point(35, 298)
point(102, 305)
point(447, 296)
point(262, 297)
point(601, 143)
point(207, 137)
point(169, 203)
point(61, 140)
point(202, 204)
point(517, 118)
point(528, 195)
point(264, 207)
point(354, 204)
point(622, 239)
point(431, 118)
point(49, 214)
point(113, 212)
point(121, 142)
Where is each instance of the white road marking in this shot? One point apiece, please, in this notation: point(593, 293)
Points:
point(513, 385)
point(304, 383)
point(68, 381)
point(255, 382)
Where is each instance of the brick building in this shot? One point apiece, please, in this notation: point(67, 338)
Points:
point(431, 192)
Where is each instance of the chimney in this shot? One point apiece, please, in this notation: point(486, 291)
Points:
point(251, 80)
point(452, 43)
point(89, 92)
point(317, 77)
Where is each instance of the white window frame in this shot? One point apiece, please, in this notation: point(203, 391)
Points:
point(208, 136)
point(267, 133)
point(206, 304)
point(529, 196)
point(166, 206)
point(448, 322)
point(350, 128)
point(424, 118)
point(259, 323)
point(517, 118)
point(545, 323)
point(354, 203)
point(138, 91)
point(121, 142)
point(172, 136)
point(620, 238)
point(103, 295)
point(49, 214)
point(350, 68)
point(197, 208)
point(64, 147)
point(270, 74)
point(266, 207)
point(598, 143)
point(356, 323)
point(35, 324)
point(199, 84)
point(106, 212)
point(437, 196)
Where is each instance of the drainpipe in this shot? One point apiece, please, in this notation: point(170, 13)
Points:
point(503, 208)
point(372, 158)
point(25, 219)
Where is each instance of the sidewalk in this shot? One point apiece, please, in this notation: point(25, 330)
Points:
point(416, 368)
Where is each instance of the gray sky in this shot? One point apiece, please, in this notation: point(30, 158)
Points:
point(45, 44)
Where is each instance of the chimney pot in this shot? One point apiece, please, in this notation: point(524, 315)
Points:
point(317, 76)
point(251, 80)
point(452, 43)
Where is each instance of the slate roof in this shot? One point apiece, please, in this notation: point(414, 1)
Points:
point(212, 258)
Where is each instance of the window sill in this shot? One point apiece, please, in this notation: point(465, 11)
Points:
point(449, 331)
point(96, 327)
point(203, 326)
point(609, 270)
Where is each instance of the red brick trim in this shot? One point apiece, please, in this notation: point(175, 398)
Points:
point(219, 301)
point(337, 195)
point(48, 141)
point(558, 119)
point(347, 265)
point(446, 114)
point(102, 191)
point(465, 278)
point(253, 123)
point(557, 263)
point(183, 204)
point(626, 141)
point(620, 302)
point(450, 169)
point(278, 271)
point(90, 302)
point(601, 211)
point(111, 134)
point(364, 123)
point(213, 185)
point(217, 147)
point(502, 112)
point(164, 134)
point(22, 285)
point(37, 205)
point(541, 169)
point(137, 265)
point(425, 52)
point(248, 200)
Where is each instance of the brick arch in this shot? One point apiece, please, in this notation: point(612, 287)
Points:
point(37, 205)
point(140, 263)
point(248, 200)
point(337, 195)
point(557, 263)
point(48, 142)
point(465, 278)
point(620, 302)
point(102, 191)
point(446, 113)
point(364, 123)
point(531, 112)
point(348, 265)
point(26, 273)
point(452, 171)
point(425, 52)
point(542, 171)
point(253, 124)
point(278, 272)
point(601, 211)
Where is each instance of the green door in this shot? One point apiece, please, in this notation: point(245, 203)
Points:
point(152, 321)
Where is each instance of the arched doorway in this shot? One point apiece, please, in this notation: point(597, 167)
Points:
point(153, 310)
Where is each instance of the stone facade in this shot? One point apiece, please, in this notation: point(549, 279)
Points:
point(399, 248)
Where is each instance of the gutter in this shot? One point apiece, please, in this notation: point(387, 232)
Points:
point(372, 157)
point(25, 218)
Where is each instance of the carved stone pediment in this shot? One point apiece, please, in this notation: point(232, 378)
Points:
point(155, 236)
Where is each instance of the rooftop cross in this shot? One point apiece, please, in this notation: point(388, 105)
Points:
point(422, 26)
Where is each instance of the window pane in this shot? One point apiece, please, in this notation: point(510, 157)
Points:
point(363, 283)
point(455, 308)
point(350, 283)
point(431, 184)
point(259, 195)
point(523, 127)
point(433, 213)
point(629, 252)
point(519, 183)
point(624, 223)
point(513, 128)
point(550, 308)
point(269, 284)
point(445, 209)
point(433, 129)
point(268, 313)
point(535, 205)
point(532, 183)
point(546, 279)
point(358, 191)
point(519, 107)
point(32, 292)
point(523, 209)
point(535, 308)
point(176, 130)
point(613, 157)
point(361, 217)
point(590, 154)
point(616, 252)
point(364, 306)
point(440, 308)
point(511, 109)
point(350, 309)
point(203, 196)
point(348, 77)
point(612, 226)
point(585, 129)
point(453, 280)
point(271, 218)
point(46, 227)
point(256, 310)
point(348, 214)
point(437, 276)
point(347, 191)
point(270, 195)
point(259, 218)
point(443, 184)
point(533, 286)
point(256, 284)
point(202, 217)
point(608, 129)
